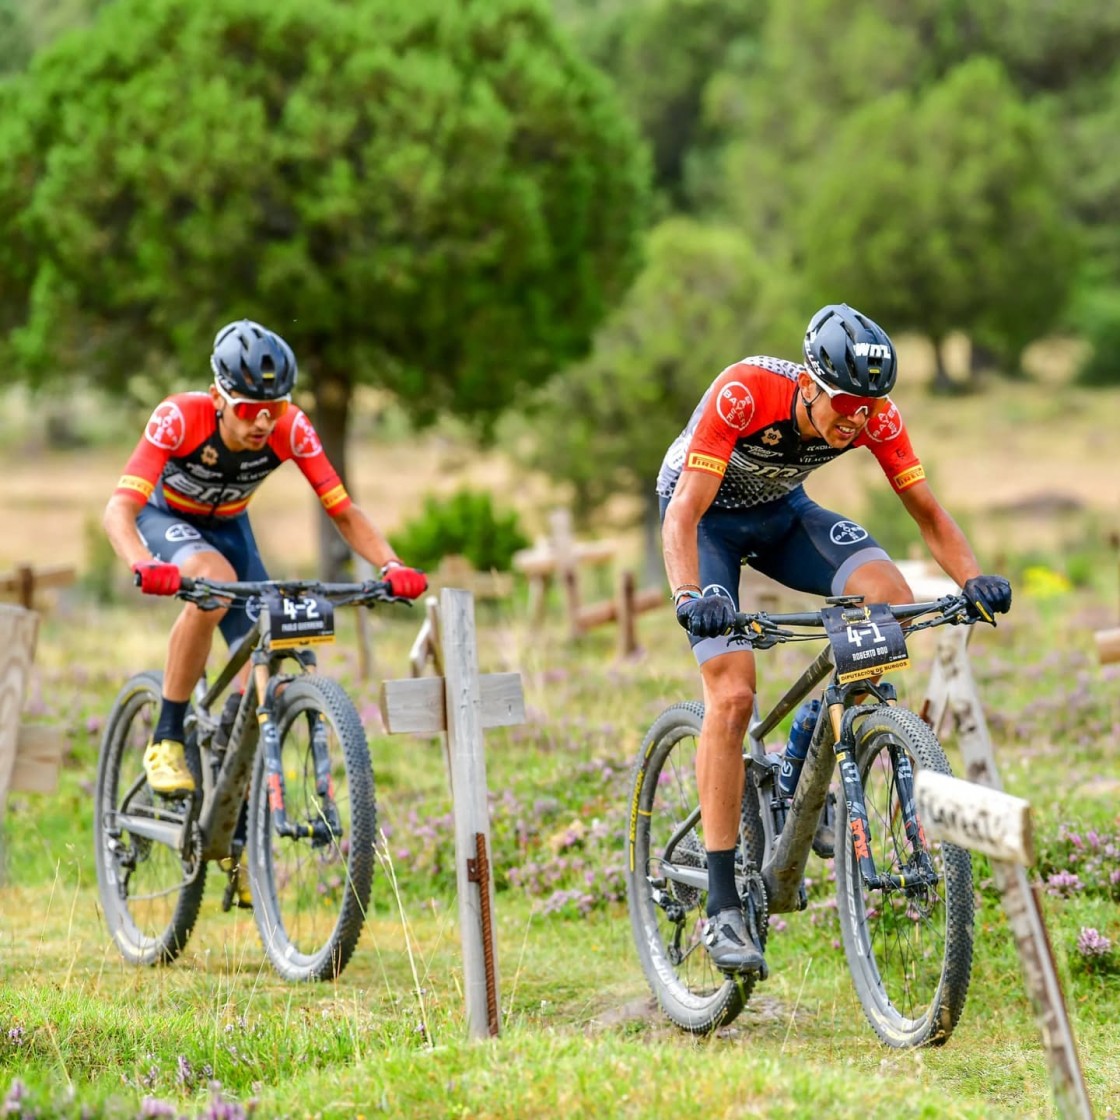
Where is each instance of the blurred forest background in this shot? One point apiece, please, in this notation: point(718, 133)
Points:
point(541, 229)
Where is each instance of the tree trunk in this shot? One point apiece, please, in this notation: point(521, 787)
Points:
point(333, 395)
point(942, 382)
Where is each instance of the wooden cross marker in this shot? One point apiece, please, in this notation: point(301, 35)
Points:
point(462, 704)
point(977, 814)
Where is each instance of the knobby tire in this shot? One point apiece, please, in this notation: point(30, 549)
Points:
point(310, 900)
point(909, 951)
point(690, 990)
point(150, 908)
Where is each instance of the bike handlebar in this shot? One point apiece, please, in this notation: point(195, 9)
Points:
point(212, 594)
point(765, 629)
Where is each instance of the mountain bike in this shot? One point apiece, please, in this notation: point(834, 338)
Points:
point(284, 795)
point(905, 904)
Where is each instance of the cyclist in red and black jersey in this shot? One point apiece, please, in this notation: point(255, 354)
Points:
point(179, 509)
point(731, 494)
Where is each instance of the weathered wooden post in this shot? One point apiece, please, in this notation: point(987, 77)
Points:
point(462, 703)
point(991, 822)
point(30, 756)
point(1108, 646)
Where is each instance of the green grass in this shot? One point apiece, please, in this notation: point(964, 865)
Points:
point(580, 1036)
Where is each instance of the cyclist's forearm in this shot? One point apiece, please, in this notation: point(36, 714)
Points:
point(119, 523)
point(364, 537)
point(693, 496)
point(950, 548)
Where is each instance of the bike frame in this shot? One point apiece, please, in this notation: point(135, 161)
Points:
point(787, 851)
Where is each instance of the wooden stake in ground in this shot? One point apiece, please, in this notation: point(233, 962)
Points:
point(462, 703)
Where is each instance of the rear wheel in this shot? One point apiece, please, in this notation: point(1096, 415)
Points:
point(310, 894)
point(667, 877)
point(909, 950)
point(150, 895)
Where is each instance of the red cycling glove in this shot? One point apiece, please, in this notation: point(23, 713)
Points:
point(155, 577)
point(406, 583)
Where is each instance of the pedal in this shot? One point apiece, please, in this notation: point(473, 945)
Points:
point(236, 890)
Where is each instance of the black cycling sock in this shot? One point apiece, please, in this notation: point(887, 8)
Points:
point(722, 894)
point(171, 716)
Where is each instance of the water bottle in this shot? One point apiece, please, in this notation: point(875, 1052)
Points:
point(800, 736)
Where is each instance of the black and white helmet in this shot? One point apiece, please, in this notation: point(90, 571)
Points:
point(251, 361)
point(850, 352)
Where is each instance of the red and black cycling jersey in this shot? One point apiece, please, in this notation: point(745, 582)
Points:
point(182, 465)
point(745, 431)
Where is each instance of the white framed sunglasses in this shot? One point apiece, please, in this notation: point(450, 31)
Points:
point(246, 409)
point(848, 404)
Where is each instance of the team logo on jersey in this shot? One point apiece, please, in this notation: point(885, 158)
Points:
point(884, 425)
point(735, 405)
point(209, 456)
point(847, 532)
point(166, 427)
point(178, 533)
point(771, 436)
point(305, 440)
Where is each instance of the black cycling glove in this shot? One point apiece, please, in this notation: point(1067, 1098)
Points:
point(707, 617)
point(988, 596)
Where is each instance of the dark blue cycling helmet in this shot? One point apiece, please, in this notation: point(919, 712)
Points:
point(849, 352)
point(251, 361)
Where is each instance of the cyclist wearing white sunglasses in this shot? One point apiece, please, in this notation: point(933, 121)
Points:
point(180, 509)
point(731, 494)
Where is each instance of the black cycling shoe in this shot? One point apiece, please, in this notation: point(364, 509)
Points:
point(729, 944)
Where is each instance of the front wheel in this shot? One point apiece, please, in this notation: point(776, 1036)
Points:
point(909, 949)
point(310, 894)
point(150, 894)
point(666, 877)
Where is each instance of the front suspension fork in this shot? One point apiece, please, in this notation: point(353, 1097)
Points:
point(860, 827)
point(326, 826)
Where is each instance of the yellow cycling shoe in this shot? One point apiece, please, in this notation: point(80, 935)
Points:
point(244, 891)
point(165, 764)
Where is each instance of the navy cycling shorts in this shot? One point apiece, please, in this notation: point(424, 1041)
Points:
point(792, 540)
point(172, 539)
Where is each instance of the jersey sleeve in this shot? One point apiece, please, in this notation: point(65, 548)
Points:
point(732, 407)
point(889, 442)
point(164, 435)
point(295, 438)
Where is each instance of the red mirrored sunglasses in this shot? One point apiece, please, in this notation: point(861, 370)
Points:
point(245, 409)
point(847, 404)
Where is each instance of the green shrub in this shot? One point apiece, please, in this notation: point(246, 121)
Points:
point(465, 524)
point(1100, 327)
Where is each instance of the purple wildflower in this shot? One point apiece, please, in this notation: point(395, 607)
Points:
point(1092, 943)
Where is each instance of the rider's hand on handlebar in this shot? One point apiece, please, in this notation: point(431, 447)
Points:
point(988, 596)
point(405, 583)
point(706, 617)
point(155, 577)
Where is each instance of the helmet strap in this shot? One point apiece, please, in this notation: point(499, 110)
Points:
point(809, 412)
